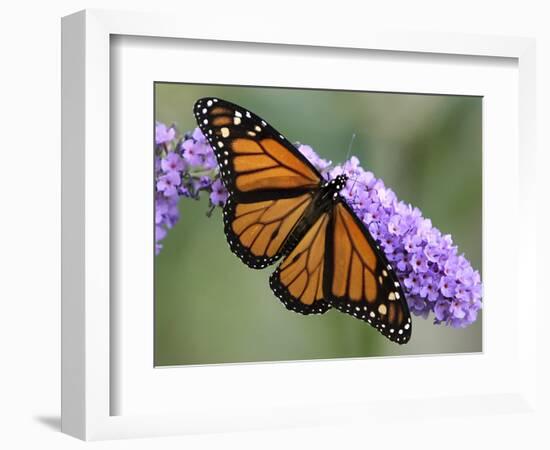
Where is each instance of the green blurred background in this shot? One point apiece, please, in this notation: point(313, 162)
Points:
point(211, 308)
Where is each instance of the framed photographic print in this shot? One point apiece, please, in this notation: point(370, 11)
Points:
point(410, 138)
point(307, 220)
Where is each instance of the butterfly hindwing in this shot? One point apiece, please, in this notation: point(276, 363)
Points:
point(298, 281)
point(258, 232)
point(359, 280)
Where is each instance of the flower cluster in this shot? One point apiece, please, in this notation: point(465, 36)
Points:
point(184, 167)
point(435, 278)
point(322, 165)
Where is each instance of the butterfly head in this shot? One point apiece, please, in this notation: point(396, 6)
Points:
point(333, 187)
point(338, 183)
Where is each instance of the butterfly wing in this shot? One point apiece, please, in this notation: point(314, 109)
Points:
point(359, 280)
point(298, 281)
point(255, 159)
point(270, 183)
point(258, 232)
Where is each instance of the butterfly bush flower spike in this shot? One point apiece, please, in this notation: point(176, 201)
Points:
point(436, 279)
point(185, 166)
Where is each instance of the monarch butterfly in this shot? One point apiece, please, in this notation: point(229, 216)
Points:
point(280, 206)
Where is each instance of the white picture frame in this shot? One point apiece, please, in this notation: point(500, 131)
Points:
point(88, 356)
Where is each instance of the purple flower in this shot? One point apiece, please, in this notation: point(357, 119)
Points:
point(447, 286)
point(218, 196)
point(196, 151)
point(386, 196)
point(166, 210)
point(201, 183)
point(419, 263)
point(419, 307)
point(319, 163)
point(457, 309)
point(441, 310)
point(467, 276)
point(462, 292)
point(160, 233)
point(209, 161)
point(433, 252)
point(362, 200)
point(163, 134)
point(429, 289)
point(366, 179)
point(398, 225)
point(412, 283)
point(198, 136)
point(172, 163)
point(403, 261)
point(169, 183)
point(454, 313)
point(411, 243)
point(193, 152)
point(373, 229)
point(373, 213)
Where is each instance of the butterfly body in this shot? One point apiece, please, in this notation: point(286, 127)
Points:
point(280, 207)
point(322, 202)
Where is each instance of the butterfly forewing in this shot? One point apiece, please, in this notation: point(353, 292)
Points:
point(270, 183)
point(360, 281)
point(256, 161)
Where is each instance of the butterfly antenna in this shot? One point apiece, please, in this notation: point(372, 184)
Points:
point(350, 145)
point(353, 136)
point(353, 185)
